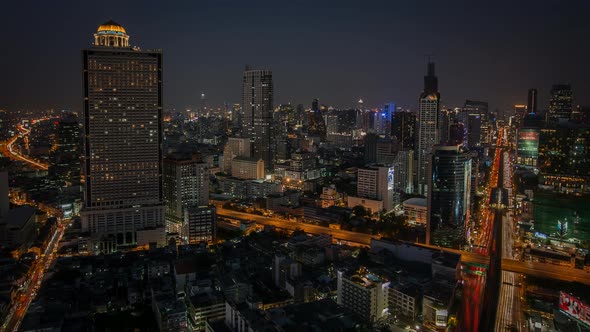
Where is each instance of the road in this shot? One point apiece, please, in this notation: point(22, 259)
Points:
point(358, 238)
point(546, 270)
point(348, 236)
point(492, 287)
point(17, 312)
point(8, 148)
point(479, 293)
point(508, 313)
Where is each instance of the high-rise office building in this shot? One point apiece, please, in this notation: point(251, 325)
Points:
point(67, 161)
point(457, 134)
point(122, 139)
point(403, 176)
point(257, 108)
point(448, 196)
point(532, 101)
point(564, 156)
point(473, 126)
point(446, 117)
point(371, 148)
point(428, 133)
point(385, 119)
point(332, 124)
point(186, 183)
point(472, 109)
point(560, 102)
point(403, 128)
point(527, 147)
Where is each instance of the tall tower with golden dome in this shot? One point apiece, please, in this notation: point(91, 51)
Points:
point(111, 34)
point(123, 196)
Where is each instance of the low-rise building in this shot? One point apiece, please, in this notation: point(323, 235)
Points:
point(372, 205)
point(415, 209)
point(405, 300)
point(247, 168)
point(205, 306)
point(364, 293)
point(170, 313)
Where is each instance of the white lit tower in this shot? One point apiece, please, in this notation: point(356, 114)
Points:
point(429, 108)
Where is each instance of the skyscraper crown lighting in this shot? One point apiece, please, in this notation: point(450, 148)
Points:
point(111, 34)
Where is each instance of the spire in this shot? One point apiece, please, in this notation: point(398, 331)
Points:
point(430, 80)
point(430, 69)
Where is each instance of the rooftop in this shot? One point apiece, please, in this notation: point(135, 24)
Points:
point(416, 201)
point(20, 216)
point(366, 278)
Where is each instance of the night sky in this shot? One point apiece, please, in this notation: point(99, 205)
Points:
point(338, 51)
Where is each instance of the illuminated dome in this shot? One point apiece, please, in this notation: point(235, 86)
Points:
point(111, 27)
point(111, 34)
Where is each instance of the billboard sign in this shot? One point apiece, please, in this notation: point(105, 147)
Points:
point(390, 178)
point(574, 307)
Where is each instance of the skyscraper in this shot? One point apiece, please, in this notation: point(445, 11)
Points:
point(457, 134)
point(473, 109)
point(67, 154)
point(448, 196)
point(428, 132)
point(403, 128)
point(560, 102)
point(386, 117)
point(446, 117)
point(122, 140)
point(532, 101)
point(474, 126)
point(257, 108)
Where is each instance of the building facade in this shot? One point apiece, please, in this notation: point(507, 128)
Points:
point(201, 222)
point(403, 128)
point(561, 102)
point(247, 168)
point(257, 109)
point(186, 183)
point(448, 196)
point(122, 138)
point(364, 293)
point(67, 161)
point(428, 133)
point(235, 147)
point(477, 111)
point(376, 182)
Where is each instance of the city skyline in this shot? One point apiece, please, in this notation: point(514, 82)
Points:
point(178, 199)
point(481, 53)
